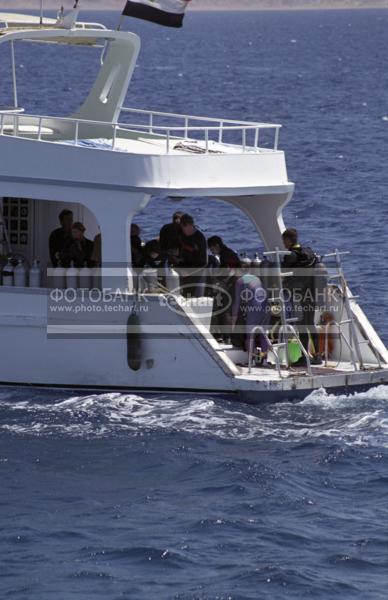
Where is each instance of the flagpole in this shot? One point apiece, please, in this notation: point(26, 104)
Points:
point(41, 13)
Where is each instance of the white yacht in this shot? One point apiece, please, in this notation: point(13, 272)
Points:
point(104, 163)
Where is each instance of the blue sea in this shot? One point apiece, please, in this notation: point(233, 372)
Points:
point(190, 497)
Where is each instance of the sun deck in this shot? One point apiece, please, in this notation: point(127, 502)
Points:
point(194, 135)
point(16, 22)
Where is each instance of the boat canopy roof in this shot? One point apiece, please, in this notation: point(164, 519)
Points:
point(14, 26)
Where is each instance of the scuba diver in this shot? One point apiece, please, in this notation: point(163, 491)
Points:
point(303, 289)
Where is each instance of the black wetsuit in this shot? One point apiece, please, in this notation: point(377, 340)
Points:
point(193, 250)
point(59, 240)
point(169, 237)
point(193, 256)
point(136, 251)
point(225, 282)
point(79, 253)
point(302, 289)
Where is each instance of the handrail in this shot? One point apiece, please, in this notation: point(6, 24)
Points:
point(119, 125)
point(157, 130)
point(341, 335)
point(196, 118)
point(293, 331)
point(254, 331)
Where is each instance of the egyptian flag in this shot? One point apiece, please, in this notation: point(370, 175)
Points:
point(164, 12)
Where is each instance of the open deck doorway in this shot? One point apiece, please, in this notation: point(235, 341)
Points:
point(27, 225)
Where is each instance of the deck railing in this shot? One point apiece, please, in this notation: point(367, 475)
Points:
point(246, 134)
point(190, 123)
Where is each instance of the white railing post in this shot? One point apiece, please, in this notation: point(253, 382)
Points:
point(76, 133)
point(221, 132)
point(14, 83)
point(207, 140)
point(40, 129)
point(168, 141)
point(244, 139)
point(277, 131)
point(151, 123)
point(186, 127)
point(257, 130)
point(2, 124)
point(114, 136)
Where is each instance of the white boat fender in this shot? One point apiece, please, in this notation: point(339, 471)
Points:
point(35, 275)
point(134, 341)
point(20, 274)
point(8, 274)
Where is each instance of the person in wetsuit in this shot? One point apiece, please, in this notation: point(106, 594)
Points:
point(170, 239)
point(78, 250)
point(169, 235)
point(193, 257)
point(250, 308)
point(302, 288)
point(60, 238)
point(225, 282)
point(136, 246)
point(151, 255)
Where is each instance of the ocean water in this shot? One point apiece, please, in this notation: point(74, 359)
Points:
point(201, 498)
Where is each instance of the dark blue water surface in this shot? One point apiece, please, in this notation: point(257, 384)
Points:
point(190, 497)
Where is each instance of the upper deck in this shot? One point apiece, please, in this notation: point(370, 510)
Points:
point(175, 134)
point(149, 151)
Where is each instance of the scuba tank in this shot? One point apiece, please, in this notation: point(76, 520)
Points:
point(245, 263)
point(59, 276)
point(150, 280)
point(72, 277)
point(8, 274)
point(20, 274)
point(255, 265)
point(85, 277)
point(96, 277)
point(172, 279)
point(35, 275)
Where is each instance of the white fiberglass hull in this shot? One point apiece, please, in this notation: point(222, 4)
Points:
point(176, 355)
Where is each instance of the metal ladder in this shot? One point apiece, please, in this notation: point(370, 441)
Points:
point(353, 343)
point(286, 330)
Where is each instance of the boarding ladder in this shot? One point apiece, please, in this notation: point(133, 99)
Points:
point(287, 329)
point(353, 343)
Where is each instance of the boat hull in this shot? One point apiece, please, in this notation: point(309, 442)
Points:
point(246, 397)
point(178, 355)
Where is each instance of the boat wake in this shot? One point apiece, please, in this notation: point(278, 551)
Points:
point(359, 419)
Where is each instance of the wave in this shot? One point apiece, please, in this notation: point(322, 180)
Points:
point(359, 419)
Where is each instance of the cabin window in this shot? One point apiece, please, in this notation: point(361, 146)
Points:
point(16, 213)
